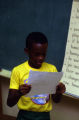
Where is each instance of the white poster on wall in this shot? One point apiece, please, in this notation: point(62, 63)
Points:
point(71, 59)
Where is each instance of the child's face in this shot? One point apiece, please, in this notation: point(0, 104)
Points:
point(37, 54)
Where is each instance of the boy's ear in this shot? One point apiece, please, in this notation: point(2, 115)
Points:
point(26, 50)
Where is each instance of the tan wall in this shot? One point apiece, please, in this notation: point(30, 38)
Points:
point(67, 109)
point(7, 110)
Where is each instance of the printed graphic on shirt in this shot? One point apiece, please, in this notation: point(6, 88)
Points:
point(40, 99)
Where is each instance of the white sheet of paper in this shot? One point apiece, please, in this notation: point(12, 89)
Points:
point(43, 82)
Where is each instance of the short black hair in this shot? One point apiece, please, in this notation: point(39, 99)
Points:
point(35, 37)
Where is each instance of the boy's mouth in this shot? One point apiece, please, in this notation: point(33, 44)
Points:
point(39, 63)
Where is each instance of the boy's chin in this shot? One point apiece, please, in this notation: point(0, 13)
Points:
point(38, 65)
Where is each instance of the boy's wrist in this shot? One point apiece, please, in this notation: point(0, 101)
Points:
point(57, 97)
point(58, 93)
point(20, 94)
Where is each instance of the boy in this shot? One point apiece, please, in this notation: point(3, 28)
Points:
point(35, 107)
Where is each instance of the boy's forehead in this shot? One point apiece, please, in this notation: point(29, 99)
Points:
point(39, 45)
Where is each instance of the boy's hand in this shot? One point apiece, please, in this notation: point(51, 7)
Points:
point(24, 89)
point(60, 88)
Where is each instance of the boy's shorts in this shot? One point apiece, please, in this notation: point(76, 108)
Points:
point(28, 115)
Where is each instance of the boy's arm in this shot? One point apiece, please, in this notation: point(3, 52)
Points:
point(14, 94)
point(60, 89)
point(13, 97)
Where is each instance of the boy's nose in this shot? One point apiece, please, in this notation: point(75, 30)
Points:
point(41, 58)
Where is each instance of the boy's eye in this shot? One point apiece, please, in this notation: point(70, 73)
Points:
point(37, 54)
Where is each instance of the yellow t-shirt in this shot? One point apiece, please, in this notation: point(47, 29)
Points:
point(37, 103)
